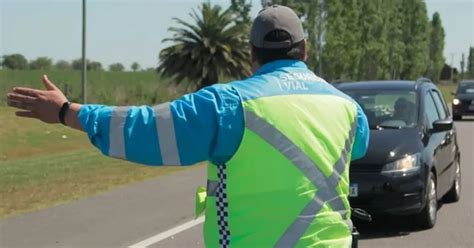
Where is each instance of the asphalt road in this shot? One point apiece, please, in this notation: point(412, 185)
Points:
point(145, 212)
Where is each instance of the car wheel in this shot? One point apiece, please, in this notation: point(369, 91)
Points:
point(427, 216)
point(457, 117)
point(454, 194)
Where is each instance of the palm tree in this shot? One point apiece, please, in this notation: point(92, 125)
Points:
point(214, 46)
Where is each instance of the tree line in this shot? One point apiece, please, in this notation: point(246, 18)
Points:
point(467, 70)
point(349, 40)
point(19, 62)
point(372, 39)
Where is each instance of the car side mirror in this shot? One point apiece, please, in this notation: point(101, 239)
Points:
point(442, 125)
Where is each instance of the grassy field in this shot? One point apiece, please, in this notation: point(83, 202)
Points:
point(118, 88)
point(45, 165)
point(447, 89)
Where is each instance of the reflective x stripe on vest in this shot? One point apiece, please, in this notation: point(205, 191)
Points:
point(212, 187)
point(326, 186)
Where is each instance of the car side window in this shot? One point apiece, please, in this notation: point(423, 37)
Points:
point(446, 108)
point(430, 110)
point(439, 105)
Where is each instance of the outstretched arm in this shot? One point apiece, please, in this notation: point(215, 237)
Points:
point(206, 125)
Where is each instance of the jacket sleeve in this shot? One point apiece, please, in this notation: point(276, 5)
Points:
point(359, 149)
point(206, 125)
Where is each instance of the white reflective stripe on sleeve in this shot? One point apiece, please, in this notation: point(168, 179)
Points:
point(166, 134)
point(116, 138)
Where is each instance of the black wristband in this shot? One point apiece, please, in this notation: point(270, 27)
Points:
point(63, 112)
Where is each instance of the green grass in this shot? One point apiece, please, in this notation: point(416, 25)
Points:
point(22, 138)
point(447, 89)
point(44, 181)
point(117, 88)
point(44, 165)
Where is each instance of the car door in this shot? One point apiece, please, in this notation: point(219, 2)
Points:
point(447, 175)
point(436, 141)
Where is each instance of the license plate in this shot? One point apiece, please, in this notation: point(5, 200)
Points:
point(353, 190)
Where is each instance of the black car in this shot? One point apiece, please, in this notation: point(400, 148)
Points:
point(413, 159)
point(463, 102)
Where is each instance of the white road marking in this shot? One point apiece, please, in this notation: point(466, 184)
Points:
point(164, 235)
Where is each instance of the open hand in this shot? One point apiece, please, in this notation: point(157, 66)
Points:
point(40, 104)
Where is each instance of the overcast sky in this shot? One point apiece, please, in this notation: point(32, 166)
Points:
point(131, 30)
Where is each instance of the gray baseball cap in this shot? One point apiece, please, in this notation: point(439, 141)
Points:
point(276, 17)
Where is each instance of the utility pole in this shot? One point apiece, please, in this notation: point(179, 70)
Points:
point(84, 60)
point(320, 38)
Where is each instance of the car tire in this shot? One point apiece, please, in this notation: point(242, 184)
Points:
point(426, 219)
point(457, 117)
point(454, 194)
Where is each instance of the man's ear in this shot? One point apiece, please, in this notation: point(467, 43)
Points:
point(305, 47)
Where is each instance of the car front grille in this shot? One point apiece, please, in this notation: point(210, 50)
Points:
point(365, 168)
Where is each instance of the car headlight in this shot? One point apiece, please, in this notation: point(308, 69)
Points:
point(407, 164)
point(456, 101)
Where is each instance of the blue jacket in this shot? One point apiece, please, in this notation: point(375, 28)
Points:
point(205, 125)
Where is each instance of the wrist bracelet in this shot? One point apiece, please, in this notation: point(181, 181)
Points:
point(63, 111)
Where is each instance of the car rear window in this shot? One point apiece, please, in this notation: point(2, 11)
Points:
point(466, 88)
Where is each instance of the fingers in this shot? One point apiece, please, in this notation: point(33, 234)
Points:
point(34, 92)
point(21, 101)
point(27, 114)
point(21, 98)
point(20, 105)
point(48, 84)
point(27, 91)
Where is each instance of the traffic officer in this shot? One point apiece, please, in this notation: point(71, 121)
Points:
point(279, 143)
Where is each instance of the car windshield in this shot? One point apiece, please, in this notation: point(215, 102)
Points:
point(466, 88)
point(387, 109)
